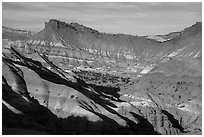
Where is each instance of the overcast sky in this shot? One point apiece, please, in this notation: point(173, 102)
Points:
point(128, 18)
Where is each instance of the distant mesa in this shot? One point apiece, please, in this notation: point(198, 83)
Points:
point(78, 42)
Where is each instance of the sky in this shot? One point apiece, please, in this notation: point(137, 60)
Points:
point(135, 18)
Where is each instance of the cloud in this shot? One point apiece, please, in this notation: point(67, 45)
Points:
point(131, 18)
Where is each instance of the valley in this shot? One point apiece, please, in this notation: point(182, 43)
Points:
point(71, 79)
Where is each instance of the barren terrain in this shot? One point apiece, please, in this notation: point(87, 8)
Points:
point(71, 79)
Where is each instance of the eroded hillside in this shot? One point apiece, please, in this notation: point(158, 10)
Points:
point(71, 79)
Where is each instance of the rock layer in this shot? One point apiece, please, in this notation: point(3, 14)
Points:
point(76, 45)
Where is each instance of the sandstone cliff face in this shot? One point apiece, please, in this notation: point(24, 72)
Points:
point(75, 36)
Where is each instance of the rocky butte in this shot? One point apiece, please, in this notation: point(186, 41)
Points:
point(71, 79)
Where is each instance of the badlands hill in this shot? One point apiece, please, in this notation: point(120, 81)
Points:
point(71, 79)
